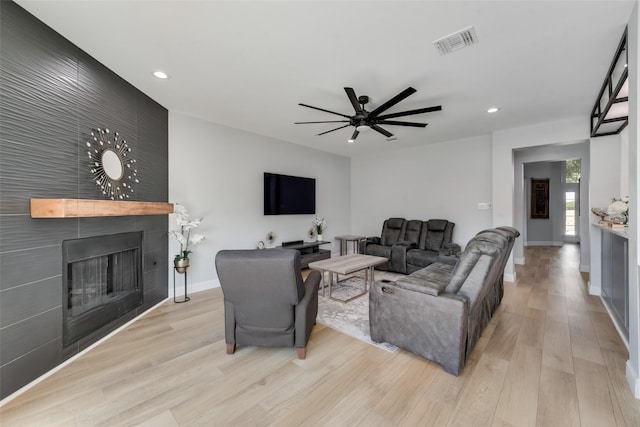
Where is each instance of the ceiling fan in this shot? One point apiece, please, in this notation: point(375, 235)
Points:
point(363, 120)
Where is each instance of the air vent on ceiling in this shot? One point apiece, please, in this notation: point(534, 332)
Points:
point(456, 41)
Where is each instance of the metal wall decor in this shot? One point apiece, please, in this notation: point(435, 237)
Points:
point(540, 198)
point(113, 169)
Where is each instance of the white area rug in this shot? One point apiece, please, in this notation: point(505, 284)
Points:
point(350, 318)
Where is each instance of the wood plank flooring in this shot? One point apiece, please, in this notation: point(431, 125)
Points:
point(549, 357)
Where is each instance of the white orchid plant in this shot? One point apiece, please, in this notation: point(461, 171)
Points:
point(183, 235)
point(319, 224)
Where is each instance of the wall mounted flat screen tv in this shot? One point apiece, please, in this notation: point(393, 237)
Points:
point(289, 195)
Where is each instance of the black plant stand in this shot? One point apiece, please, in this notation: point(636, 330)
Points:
point(186, 298)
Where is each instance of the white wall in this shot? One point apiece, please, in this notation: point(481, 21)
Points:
point(605, 171)
point(633, 364)
point(445, 180)
point(606, 184)
point(605, 152)
point(624, 162)
point(217, 172)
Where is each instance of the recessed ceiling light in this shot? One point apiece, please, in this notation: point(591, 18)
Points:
point(161, 75)
point(493, 110)
point(351, 141)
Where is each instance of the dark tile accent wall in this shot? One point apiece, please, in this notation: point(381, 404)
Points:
point(51, 95)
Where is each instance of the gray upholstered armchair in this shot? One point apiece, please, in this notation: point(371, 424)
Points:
point(266, 303)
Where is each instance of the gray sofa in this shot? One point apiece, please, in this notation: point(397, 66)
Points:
point(266, 302)
point(439, 312)
point(411, 245)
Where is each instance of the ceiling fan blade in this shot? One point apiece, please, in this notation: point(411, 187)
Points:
point(326, 121)
point(354, 99)
point(333, 130)
point(395, 123)
point(354, 136)
point(393, 101)
point(326, 111)
point(382, 131)
point(411, 112)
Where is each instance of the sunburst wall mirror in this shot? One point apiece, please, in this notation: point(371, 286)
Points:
point(113, 168)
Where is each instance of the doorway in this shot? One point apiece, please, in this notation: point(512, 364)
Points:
point(550, 161)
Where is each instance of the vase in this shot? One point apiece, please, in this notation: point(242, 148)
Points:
point(319, 237)
point(181, 265)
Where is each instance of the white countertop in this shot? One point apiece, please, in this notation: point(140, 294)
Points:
point(622, 233)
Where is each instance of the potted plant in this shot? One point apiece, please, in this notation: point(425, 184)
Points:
point(184, 237)
point(319, 225)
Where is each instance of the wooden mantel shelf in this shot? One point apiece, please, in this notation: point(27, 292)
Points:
point(80, 208)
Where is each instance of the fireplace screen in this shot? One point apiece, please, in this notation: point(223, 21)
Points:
point(102, 281)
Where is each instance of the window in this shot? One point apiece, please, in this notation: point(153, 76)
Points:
point(572, 198)
point(570, 213)
point(572, 175)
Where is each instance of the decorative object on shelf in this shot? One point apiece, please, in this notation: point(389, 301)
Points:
point(319, 225)
point(617, 213)
point(260, 244)
point(618, 210)
point(271, 238)
point(113, 169)
point(184, 237)
point(540, 198)
point(312, 234)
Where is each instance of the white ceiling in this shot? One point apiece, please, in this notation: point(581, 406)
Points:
point(247, 64)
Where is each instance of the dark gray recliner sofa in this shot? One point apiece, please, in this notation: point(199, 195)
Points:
point(509, 234)
point(435, 240)
point(393, 230)
point(266, 302)
point(440, 311)
point(411, 245)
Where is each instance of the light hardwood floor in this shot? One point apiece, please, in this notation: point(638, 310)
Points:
point(550, 357)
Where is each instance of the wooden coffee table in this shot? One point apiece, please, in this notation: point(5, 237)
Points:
point(348, 264)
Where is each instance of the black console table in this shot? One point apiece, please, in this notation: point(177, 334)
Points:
point(309, 251)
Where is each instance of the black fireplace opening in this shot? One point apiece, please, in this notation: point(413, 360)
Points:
point(102, 280)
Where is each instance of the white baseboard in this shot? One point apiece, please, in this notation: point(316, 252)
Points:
point(73, 358)
point(510, 277)
point(593, 290)
point(193, 288)
point(543, 243)
point(585, 268)
point(519, 260)
point(632, 379)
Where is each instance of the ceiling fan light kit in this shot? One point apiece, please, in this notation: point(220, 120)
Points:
point(364, 120)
